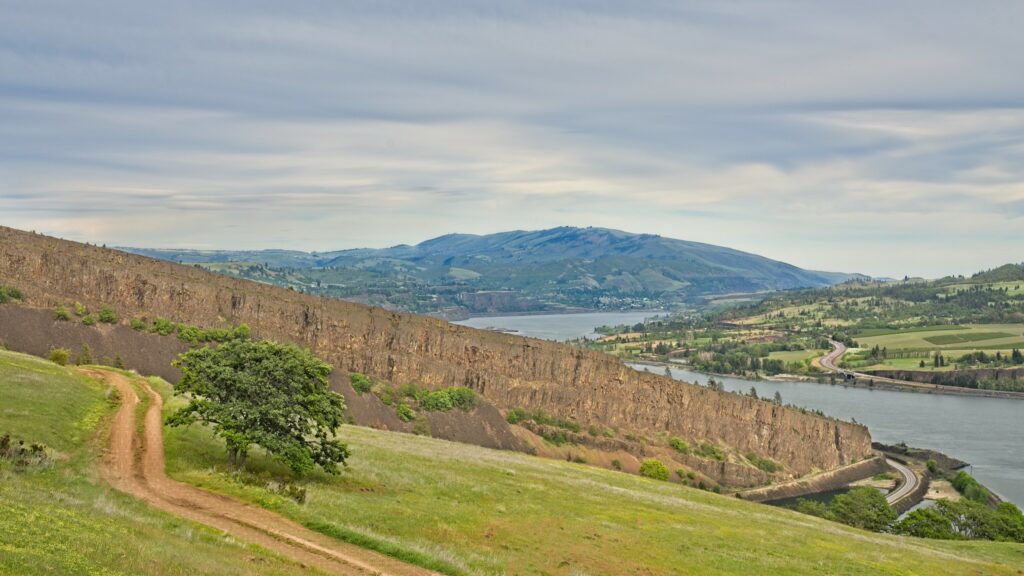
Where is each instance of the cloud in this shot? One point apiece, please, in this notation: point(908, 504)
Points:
point(823, 134)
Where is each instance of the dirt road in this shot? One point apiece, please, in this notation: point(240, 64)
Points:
point(147, 481)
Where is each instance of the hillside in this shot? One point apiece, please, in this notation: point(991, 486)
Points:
point(463, 509)
point(57, 518)
point(581, 403)
point(564, 267)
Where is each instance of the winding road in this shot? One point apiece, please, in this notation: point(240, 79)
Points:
point(908, 485)
point(139, 471)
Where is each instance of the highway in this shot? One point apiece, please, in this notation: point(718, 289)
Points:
point(904, 488)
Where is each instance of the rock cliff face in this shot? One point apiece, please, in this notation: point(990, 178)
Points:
point(508, 371)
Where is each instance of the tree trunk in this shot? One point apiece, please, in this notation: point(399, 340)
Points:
point(241, 458)
point(232, 456)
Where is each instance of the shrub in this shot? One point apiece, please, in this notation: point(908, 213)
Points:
point(61, 313)
point(616, 464)
point(707, 450)
point(405, 413)
point(88, 320)
point(680, 446)
point(691, 475)
point(34, 455)
point(80, 309)
point(107, 315)
point(764, 464)
point(932, 465)
point(162, 326)
point(138, 324)
point(448, 398)
point(654, 468)
point(360, 383)
point(60, 356)
point(8, 293)
point(516, 416)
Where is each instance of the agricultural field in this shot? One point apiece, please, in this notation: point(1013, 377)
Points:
point(58, 518)
point(471, 510)
point(966, 337)
point(788, 356)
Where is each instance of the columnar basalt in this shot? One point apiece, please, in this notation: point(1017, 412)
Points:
point(509, 371)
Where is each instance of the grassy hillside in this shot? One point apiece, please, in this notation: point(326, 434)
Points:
point(58, 518)
point(471, 510)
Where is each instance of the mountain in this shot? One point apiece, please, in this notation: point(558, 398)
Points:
point(558, 268)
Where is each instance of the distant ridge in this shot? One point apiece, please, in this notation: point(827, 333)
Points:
point(565, 266)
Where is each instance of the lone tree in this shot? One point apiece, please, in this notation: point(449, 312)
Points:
point(266, 394)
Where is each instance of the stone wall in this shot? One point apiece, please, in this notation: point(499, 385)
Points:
point(509, 371)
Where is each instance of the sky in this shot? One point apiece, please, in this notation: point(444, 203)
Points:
point(878, 137)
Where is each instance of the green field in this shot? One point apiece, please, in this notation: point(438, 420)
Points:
point(480, 511)
point(796, 355)
point(1013, 288)
point(61, 520)
point(980, 336)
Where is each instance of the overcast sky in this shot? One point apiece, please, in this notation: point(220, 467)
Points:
point(885, 138)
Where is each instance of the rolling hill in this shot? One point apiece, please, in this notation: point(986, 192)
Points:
point(559, 268)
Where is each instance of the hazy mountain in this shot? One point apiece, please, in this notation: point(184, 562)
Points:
point(519, 270)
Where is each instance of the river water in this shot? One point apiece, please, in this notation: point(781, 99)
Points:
point(988, 433)
point(559, 327)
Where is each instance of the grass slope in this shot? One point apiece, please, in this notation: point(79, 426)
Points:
point(471, 510)
point(63, 520)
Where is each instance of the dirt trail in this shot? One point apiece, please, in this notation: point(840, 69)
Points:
point(148, 482)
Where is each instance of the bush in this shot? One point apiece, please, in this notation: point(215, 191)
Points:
point(61, 313)
point(107, 315)
point(616, 464)
point(932, 465)
point(448, 398)
point(7, 293)
point(60, 356)
point(138, 324)
point(707, 450)
point(88, 320)
point(360, 383)
point(162, 326)
point(33, 455)
point(405, 413)
point(680, 446)
point(863, 507)
point(654, 468)
point(80, 309)
point(764, 464)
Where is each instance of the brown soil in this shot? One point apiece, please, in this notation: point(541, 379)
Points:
point(139, 471)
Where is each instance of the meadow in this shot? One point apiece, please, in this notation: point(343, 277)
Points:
point(471, 510)
point(59, 518)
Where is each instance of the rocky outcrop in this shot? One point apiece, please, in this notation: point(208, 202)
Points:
point(509, 371)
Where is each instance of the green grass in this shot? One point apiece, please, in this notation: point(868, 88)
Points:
point(867, 332)
point(944, 339)
point(63, 520)
point(471, 510)
point(993, 336)
point(796, 355)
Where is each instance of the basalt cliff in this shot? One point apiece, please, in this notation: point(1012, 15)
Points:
point(508, 372)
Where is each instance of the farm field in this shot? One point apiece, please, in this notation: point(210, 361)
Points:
point(60, 519)
point(978, 337)
point(478, 511)
point(796, 355)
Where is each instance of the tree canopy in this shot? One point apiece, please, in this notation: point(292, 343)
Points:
point(268, 394)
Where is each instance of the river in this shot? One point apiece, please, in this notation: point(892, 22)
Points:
point(986, 432)
point(558, 327)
